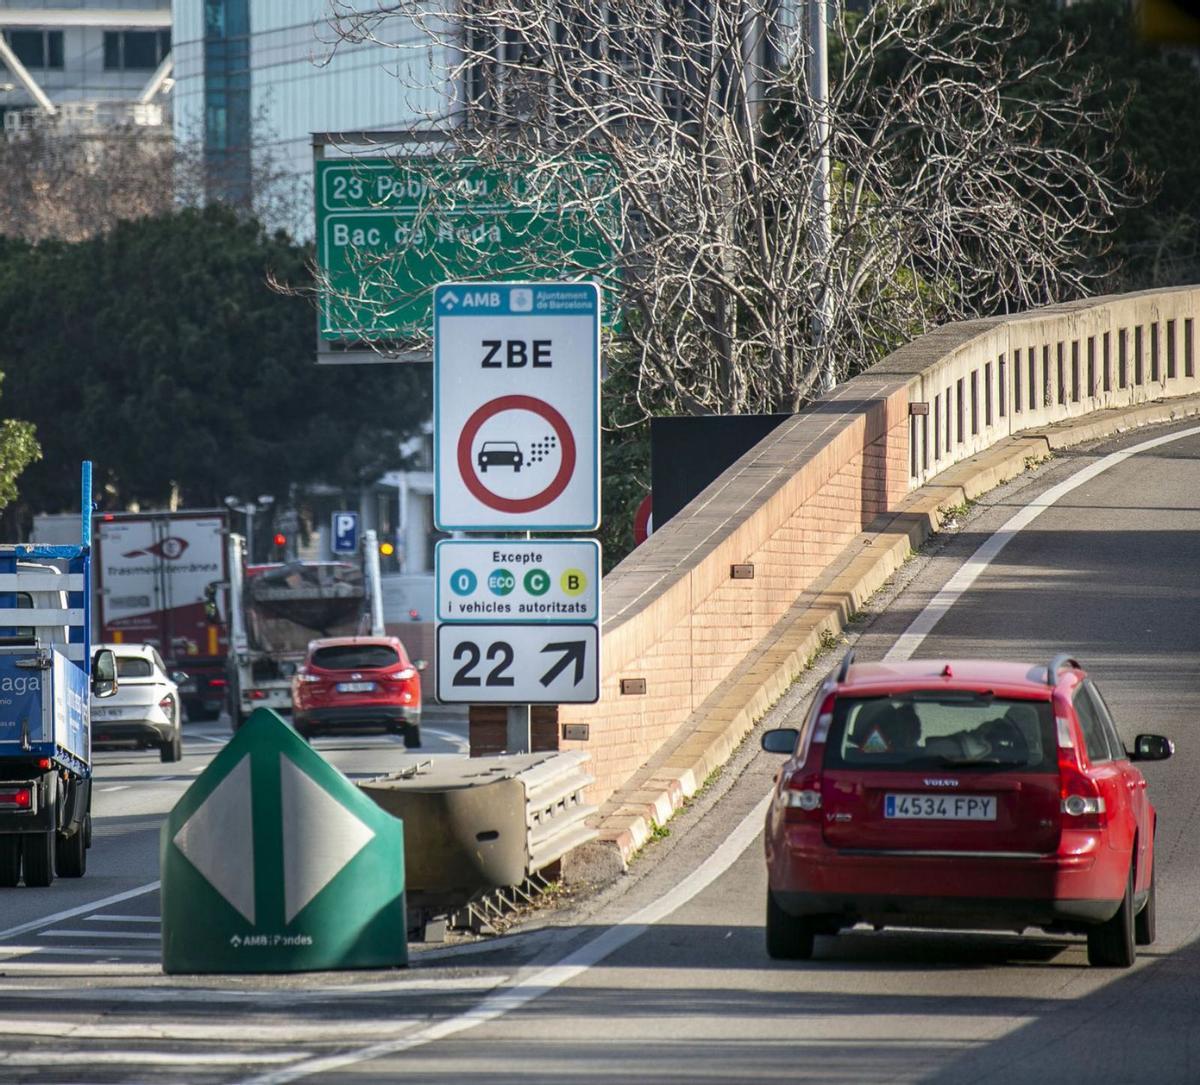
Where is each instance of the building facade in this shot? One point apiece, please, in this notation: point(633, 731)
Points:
point(254, 79)
point(90, 64)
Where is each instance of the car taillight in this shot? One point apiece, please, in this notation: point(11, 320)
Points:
point(20, 798)
point(257, 694)
point(308, 677)
point(1081, 802)
point(217, 683)
point(43, 763)
point(800, 796)
point(166, 704)
point(404, 675)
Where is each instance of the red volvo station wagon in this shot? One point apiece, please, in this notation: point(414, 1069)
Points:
point(961, 794)
point(352, 683)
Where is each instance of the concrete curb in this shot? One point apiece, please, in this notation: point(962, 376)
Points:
point(708, 738)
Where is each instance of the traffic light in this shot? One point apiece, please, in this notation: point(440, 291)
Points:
point(386, 549)
point(279, 542)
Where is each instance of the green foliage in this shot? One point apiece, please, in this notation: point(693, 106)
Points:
point(18, 449)
point(1157, 242)
point(625, 455)
point(161, 352)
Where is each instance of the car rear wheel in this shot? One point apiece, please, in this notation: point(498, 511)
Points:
point(38, 849)
point(10, 861)
point(1146, 922)
point(789, 937)
point(172, 749)
point(1111, 944)
point(71, 854)
point(412, 736)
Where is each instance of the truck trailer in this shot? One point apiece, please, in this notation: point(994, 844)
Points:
point(156, 572)
point(48, 676)
point(276, 609)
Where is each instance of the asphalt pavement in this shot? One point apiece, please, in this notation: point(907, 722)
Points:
point(662, 977)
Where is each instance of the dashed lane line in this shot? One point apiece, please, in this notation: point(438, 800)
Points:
point(136, 935)
point(145, 1058)
point(82, 909)
point(270, 997)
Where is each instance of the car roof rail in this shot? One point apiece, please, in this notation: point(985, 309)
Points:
point(1063, 659)
point(844, 669)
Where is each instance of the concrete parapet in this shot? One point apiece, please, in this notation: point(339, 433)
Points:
point(828, 505)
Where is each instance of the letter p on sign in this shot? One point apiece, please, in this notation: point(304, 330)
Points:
point(344, 533)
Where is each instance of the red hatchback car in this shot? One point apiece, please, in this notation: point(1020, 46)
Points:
point(347, 683)
point(961, 795)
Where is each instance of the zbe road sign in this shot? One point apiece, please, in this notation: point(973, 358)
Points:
point(516, 406)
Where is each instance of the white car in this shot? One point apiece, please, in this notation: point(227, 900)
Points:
point(145, 710)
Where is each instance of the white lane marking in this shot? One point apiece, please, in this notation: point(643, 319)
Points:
point(124, 919)
point(118, 787)
point(910, 640)
point(83, 909)
point(219, 740)
point(143, 1058)
point(125, 970)
point(547, 979)
point(74, 951)
point(270, 998)
point(66, 1029)
point(449, 736)
point(99, 934)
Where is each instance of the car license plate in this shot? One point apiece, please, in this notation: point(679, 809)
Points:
point(355, 687)
point(941, 807)
point(106, 713)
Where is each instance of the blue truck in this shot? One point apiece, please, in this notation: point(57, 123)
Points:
point(48, 676)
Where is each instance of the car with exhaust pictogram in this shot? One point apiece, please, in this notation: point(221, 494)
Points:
point(962, 794)
point(500, 454)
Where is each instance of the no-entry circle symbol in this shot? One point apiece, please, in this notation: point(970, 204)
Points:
point(566, 442)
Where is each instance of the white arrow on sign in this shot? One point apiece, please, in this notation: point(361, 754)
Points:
point(506, 663)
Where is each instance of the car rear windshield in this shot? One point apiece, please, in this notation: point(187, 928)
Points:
point(354, 657)
point(938, 729)
point(134, 667)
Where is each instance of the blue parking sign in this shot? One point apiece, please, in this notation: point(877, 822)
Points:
point(344, 533)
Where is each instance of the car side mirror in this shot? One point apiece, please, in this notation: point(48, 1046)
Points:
point(179, 677)
point(780, 740)
point(1151, 748)
point(104, 673)
point(421, 664)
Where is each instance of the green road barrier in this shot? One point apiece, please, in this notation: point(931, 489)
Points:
point(273, 861)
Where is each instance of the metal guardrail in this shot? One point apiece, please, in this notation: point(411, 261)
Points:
point(555, 811)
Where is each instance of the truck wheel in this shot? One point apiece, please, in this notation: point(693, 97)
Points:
point(39, 859)
point(172, 749)
point(71, 854)
point(10, 861)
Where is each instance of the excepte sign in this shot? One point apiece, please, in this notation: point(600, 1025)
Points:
point(544, 581)
point(516, 406)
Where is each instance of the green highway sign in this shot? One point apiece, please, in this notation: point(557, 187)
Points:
point(273, 861)
point(389, 230)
